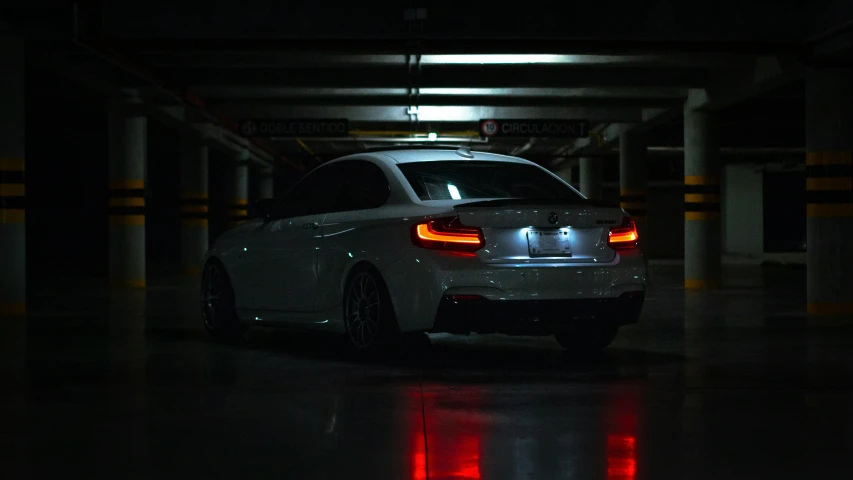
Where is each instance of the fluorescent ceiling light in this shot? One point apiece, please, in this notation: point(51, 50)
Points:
point(497, 59)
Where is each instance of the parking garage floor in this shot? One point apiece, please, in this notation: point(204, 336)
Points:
point(727, 384)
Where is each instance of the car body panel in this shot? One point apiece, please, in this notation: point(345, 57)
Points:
point(283, 254)
point(284, 274)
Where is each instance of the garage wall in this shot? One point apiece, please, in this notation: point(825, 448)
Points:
point(742, 205)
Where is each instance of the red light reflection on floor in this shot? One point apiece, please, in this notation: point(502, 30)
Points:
point(452, 457)
point(622, 420)
point(621, 457)
point(452, 448)
point(419, 461)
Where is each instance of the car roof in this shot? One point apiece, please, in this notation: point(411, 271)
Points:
point(411, 155)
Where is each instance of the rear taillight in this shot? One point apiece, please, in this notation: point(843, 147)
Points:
point(624, 236)
point(447, 234)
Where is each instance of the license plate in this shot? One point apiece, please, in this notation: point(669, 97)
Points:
point(549, 243)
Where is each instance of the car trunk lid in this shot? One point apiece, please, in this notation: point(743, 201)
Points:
point(537, 232)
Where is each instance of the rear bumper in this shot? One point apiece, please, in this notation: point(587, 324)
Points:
point(535, 317)
point(419, 281)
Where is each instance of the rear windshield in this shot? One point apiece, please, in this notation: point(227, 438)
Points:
point(459, 180)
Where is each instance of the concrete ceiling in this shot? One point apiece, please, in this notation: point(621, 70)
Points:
point(612, 63)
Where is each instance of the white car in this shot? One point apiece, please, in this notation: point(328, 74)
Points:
point(428, 240)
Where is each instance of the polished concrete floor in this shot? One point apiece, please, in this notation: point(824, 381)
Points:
point(735, 383)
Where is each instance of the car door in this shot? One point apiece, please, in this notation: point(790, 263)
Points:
point(364, 188)
point(284, 251)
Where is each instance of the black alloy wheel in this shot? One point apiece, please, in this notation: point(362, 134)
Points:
point(217, 305)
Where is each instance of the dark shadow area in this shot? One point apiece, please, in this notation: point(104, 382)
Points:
point(452, 357)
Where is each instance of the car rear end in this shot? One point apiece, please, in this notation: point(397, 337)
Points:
point(516, 251)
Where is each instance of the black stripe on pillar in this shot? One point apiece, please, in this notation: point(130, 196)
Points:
point(194, 208)
point(829, 170)
point(11, 176)
point(701, 207)
point(127, 192)
point(13, 202)
point(712, 189)
point(829, 196)
point(121, 210)
point(633, 198)
point(194, 201)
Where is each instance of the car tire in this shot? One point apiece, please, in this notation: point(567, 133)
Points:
point(589, 339)
point(368, 313)
point(218, 310)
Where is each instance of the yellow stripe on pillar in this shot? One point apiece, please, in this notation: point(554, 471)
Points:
point(128, 283)
point(194, 222)
point(829, 158)
point(13, 309)
point(699, 284)
point(191, 270)
point(829, 183)
point(830, 308)
point(12, 215)
point(194, 196)
point(193, 208)
point(701, 180)
point(126, 184)
point(829, 210)
point(127, 220)
point(12, 190)
point(12, 164)
point(701, 198)
point(701, 215)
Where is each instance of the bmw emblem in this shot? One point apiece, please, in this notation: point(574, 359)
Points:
point(552, 218)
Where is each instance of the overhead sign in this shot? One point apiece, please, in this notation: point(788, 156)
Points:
point(534, 128)
point(330, 127)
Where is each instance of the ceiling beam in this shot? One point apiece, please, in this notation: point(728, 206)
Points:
point(765, 74)
point(446, 76)
point(447, 96)
point(230, 58)
point(429, 113)
point(605, 137)
point(454, 44)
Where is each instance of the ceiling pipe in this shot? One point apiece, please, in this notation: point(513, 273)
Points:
point(186, 99)
point(733, 150)
point(527, 146)
point(676, 150)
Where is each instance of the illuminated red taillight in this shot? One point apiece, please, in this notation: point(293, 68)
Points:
point(447, 234)
point(624, 236)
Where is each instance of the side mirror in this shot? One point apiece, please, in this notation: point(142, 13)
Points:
point(261, 209)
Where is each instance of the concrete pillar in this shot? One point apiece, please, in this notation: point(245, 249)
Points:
point(237, 206)
point(829, 191)
point(633, 178)
point(564, 170)
point(13, 278)
point(590, 173)
point(194, 205)
point(266, 184)
point(702, 256)
point(128, 152)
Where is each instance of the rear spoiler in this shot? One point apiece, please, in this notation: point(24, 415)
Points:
point(518, 202)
